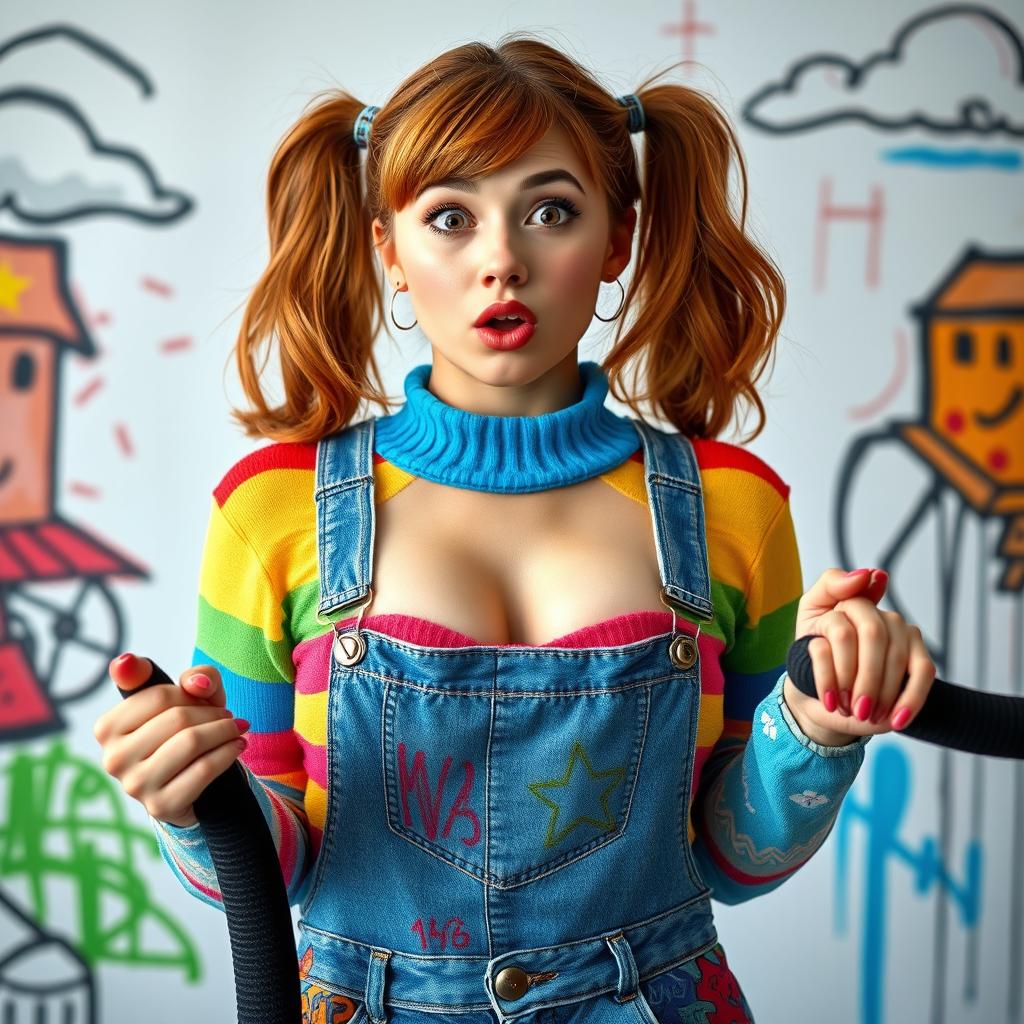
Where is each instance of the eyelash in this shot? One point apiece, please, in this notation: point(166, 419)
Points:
point(567, 205)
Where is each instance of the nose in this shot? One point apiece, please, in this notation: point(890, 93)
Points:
point(503, 263)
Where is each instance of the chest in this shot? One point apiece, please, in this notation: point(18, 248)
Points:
point(514, 568)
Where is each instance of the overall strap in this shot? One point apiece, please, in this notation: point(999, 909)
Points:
point(345, 515)
point(677, 507)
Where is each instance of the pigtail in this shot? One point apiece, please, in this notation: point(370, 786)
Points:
point(710, 303)
point(320, 296)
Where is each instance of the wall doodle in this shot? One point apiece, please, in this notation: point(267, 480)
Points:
point(897, 89)
point(64, 819)
point(55, 643)
point(42, 978)
point(954, 74)
point(961, 460)
point(882, 816)
point(60, 620)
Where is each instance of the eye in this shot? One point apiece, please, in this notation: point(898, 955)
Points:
point(558, 204)
point(453, 212)
point(1004, 354)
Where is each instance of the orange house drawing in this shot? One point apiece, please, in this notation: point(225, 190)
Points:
point(972, 427)
point(38, 324)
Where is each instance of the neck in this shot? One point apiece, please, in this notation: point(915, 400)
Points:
point(506, 454)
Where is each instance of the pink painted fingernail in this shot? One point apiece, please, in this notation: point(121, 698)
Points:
point(844, 702)
point(857, 572)
point(242, 724)
point(829, 700)
point(899, 720)
point(863, 708)
point(200, 682)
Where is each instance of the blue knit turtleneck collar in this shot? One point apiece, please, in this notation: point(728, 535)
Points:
point(506, 454)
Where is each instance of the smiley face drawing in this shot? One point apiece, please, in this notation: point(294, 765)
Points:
point(972, 435)
point(910, 492)
point(978, 399)
point(937, 499)
point(972, 331)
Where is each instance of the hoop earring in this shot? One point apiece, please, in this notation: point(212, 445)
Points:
point(609, 319)
point(394, 321)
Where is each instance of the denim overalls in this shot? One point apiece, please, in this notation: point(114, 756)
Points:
point(506, 827)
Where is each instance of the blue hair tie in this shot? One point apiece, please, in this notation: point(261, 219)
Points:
point(637, 121)
point(361, 130)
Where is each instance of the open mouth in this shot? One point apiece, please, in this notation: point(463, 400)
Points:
point(504, 323)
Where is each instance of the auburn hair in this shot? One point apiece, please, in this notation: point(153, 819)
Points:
point(708, 302)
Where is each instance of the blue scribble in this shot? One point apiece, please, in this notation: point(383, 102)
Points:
point(1003, 160)
point(882, 815)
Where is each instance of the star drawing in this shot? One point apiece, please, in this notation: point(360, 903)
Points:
point(575, 783)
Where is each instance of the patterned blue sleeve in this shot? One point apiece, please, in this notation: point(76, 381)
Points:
point(769, 807)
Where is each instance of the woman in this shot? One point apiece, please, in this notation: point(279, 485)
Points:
point(511, 665)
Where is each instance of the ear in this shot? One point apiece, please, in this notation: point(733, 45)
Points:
point(386, 250)
point(620, 244)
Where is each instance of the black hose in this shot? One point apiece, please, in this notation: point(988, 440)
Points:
point(255, 898)
point(953, 716)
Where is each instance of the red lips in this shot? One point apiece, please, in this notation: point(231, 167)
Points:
point(511, 308)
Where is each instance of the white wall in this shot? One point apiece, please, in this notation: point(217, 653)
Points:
point(229, 78)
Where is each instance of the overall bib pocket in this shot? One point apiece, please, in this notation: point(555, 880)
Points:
point(511, 786)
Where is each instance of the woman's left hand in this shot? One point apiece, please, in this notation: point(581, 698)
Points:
point(860, 657)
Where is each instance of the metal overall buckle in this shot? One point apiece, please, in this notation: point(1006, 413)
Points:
point(349, 645)
point(682, 648)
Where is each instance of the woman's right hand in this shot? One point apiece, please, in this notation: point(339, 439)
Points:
point(166, 744)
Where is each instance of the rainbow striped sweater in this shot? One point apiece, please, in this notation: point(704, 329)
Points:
point(764, 796)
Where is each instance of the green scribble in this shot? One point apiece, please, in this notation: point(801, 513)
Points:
point(66, 821)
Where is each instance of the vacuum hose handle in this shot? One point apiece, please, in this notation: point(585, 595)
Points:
point(953, 716)
point(249, 875)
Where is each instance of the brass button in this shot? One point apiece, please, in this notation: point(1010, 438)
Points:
point(683, 652)
point(511, 982)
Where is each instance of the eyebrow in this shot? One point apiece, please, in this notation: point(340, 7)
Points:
point(533, 181)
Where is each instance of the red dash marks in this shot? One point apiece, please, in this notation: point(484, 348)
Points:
point(91, 319)
point(175, 344)
point(161, 288)
point(81, 490)
point(88, 391)
point(124, 441)
point(688, 28)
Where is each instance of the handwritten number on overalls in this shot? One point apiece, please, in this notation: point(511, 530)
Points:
point(459, 938)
